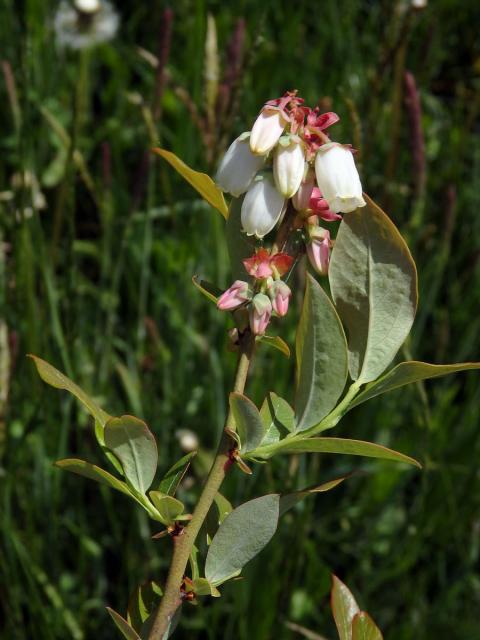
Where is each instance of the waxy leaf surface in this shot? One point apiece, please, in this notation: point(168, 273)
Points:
point(278, 418)
point(250, 427)
point(373, 280)
point(91, 471)
point(241, 536)
point(201, 182)
point(321, 350)
point(344, 608)
point(408, 372)
point(134, 445)
point(364, 628)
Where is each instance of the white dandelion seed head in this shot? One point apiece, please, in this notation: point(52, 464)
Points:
point(85, 24)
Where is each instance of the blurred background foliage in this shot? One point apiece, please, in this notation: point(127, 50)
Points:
point(98, 243)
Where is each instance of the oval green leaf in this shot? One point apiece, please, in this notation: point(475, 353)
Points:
point(91, 471)
point(344, 608)
point(364, 628)
point(57, 379)
point(343, 446)
point(249, 424)
point(201, 182)
point(278, 418)
point(134, 445)
point(322, 360)
point(408, 372)
point(373, 279)
point(168, 508)
point(241, 536)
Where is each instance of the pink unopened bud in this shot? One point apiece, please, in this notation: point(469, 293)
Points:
point(301, 200)
point(318, 249)
point(260, 314)
point(320, 206)
point(279, 293)
point(234, 296)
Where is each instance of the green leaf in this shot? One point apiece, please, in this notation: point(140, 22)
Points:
point(142, 602)
point(224, 506)
point(239, 245)
point(241, 536)
point(341, 446)
point(364, 628)
point(406, 373)
point(373, 280)
point(127, 631)
point(169, 483)
point(344, 608)
point(277, 343)
point(249, 424)
point(321, 350)
point(91, 471)
point(169, 508)
point(134, 445)
point(289, 500)
point(202, 587)
point(278, 418)
point(210, 291)
point(201, 182)
point(57, 379)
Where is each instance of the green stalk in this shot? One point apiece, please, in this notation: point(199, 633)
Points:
point(183, 543)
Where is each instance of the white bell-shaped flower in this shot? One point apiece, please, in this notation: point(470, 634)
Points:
point(266, 131)
point(238, 167)
point(262, 207)
point(288, 167)
point(338, 179)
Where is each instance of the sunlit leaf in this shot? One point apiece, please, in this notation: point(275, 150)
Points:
point(134, 445)
point(374, 285)
point(168, 507)
point(408, 372)
point(278, 418)
point(289, 500)
point(122, 625)
point(249, 424)
point(57, 379)
point(364, 628)
point(338, 445)
point(321, 350)
point(277, 343)
point(91, 471)
point(241, 536)
point(344, 608)
point(169, 483)
point(201, 182)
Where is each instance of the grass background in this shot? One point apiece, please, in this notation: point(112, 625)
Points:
point(95, 277)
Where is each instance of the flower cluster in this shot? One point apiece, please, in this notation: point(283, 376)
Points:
point(287, 156)
point(267, 295)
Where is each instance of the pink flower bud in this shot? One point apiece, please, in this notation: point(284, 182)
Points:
point(301, 200)
point(338, 179)
point(234, 296)
point(279, 293)
point(318, 249)
point(260, 313)
point(266, 131)
point(320, 207)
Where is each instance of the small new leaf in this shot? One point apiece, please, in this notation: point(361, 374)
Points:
point(344, 608)
point(364, 628)
point(249, 424)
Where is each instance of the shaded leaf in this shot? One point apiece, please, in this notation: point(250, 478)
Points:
point(344, 608)
point(142, 602)
point(224, 506)
point(210, 291)
point(249, 424)
point(91, 471)
point(127, 631)
point(57, 379)
point(278, 418)
point(321, 351)
point(169, 483)
point(242, 535)
point(134, 445)
point(168, 507)
point(201, 182)
point(373, 280)
point(364, 628)
point(408, 372)
point(239, 245)
point(339, 445)
point(289, 500)
point(277, 343)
